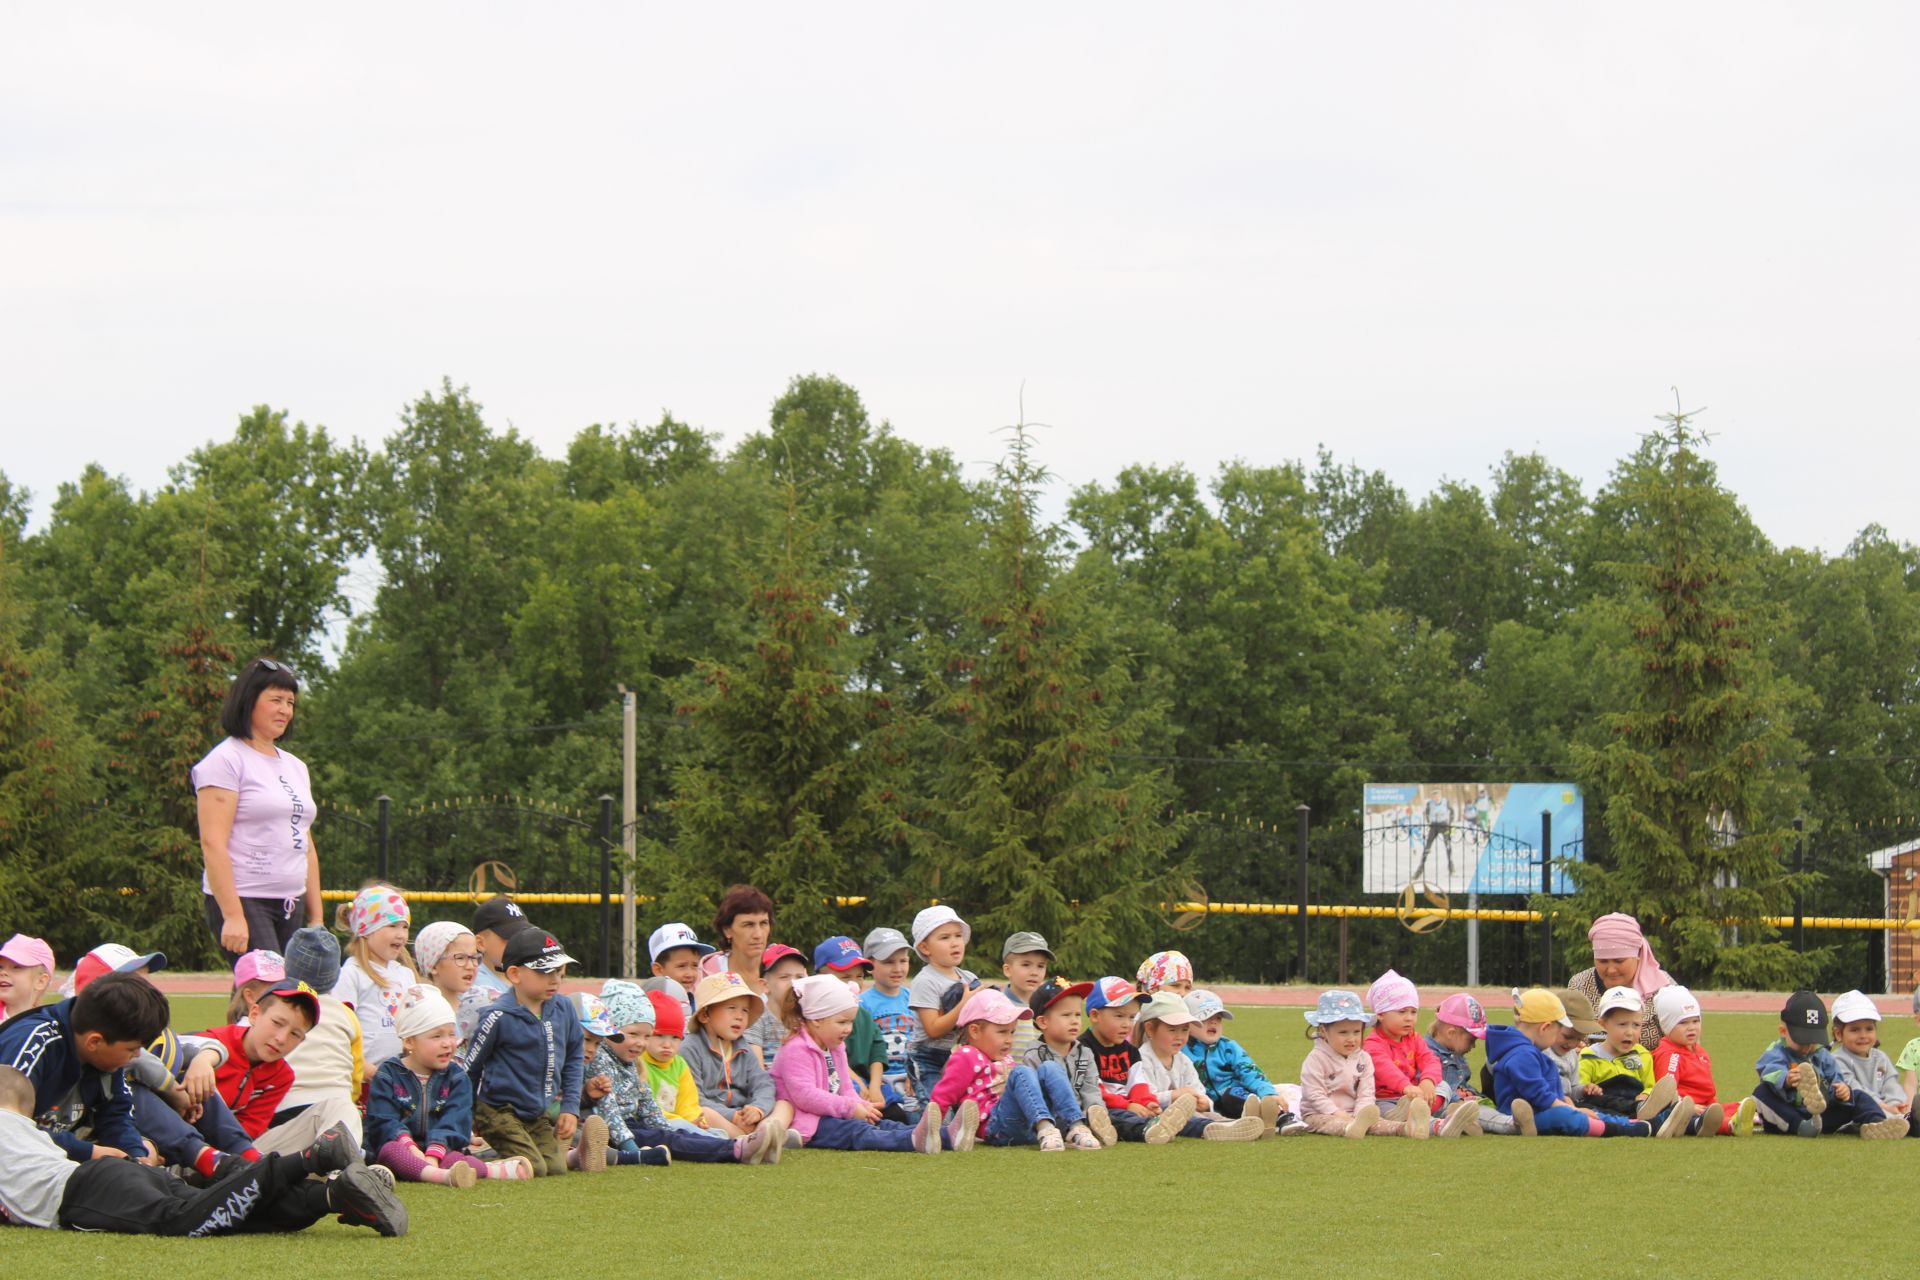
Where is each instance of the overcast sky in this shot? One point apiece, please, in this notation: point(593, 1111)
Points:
point(1422, 234)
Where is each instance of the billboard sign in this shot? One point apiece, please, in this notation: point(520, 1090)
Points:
point(1467, 837)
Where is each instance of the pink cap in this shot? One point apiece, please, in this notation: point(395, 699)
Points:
point(1463, 1011)
point(990, 1004)
point(26, 952)
point(259, 966)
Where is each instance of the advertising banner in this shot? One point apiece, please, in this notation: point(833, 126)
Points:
point(1467, 837)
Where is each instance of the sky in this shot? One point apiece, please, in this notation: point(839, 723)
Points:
point(1421, 235)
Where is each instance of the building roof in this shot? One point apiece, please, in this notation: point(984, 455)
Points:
point(1881, 860)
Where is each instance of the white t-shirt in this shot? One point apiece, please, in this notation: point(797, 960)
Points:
point(375, 997)
point(33, 1173)
point(271, 819)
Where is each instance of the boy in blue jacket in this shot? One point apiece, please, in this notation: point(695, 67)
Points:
point(1527, 1084)
point(1802, 1090)
point(85, 1044)
point(526, 1060)
point(1233, 1081)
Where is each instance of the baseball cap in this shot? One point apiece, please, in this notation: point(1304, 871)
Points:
point(1854, 1006)
point(1618, 998)
point(1537, 1004)
point(1203, 1004)
point(779, 951)
point(593, 1017)
point(884, 942)
point(931, 918)
point(1052, 991)
point(1167, 1007)
point(669, 936)
point(259, 966)
point(839, 953)
point(27, 952)
point(297, 993)
point(1110, 991)
point(718, 988)
point(1579, 1012)
point(533, 948)
point(1023, 943)
point(992, 1005)
point(111, 957)
point(502, 915)
point(1463, 1011)
point(1806, 1018)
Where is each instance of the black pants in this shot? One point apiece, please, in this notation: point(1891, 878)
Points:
point(134, 1199)
point(270, 922)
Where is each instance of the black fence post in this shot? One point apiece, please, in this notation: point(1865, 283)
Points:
point(1300, 972)
point(382, 857)
point(1799, 900)
point(606, 885)
point(1546, 906)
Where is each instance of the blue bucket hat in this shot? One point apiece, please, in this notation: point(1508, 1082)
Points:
point(1338, 1006)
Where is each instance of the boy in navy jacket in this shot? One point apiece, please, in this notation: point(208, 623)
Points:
point(1527, 1084)
point(526, 1061)
point(84, 1045)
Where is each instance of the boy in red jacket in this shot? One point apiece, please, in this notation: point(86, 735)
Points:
point(1681, 1057)
point(246, 1064)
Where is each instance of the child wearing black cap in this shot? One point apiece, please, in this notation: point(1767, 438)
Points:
point(494, 921)
point(1802, 1090)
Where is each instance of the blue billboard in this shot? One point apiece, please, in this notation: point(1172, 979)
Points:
point(1467, 837)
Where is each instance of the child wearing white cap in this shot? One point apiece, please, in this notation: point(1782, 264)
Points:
point(1616, 1074)
point(1683, 1059)
point(940, 936)
point(1856, 1049)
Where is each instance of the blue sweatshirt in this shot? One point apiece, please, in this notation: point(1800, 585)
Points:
point(524, 1063)
point(1774, 1063)
point(1521, 1070)
point(1225, 1070)
point(436, 1111)
point(39, 1045)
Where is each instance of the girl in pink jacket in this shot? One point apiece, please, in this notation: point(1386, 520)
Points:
point(1336, 1080)
point(810, 1072)
point(1405, 1067)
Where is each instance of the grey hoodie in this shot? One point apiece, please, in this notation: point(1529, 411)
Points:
point(751, 1086)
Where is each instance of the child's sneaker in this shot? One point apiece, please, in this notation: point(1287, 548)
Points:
point(1050, 1139)
point(776, 1139)
point(511, 1169)
point(930, 1131)
point(1675, 1125)
point(1363, 1121)
point(363, 1200)
point(1637, 1129)
point(334, 1149)
point(1891, 1127)
point(1458, 1121)
point(1268, 1109)
point(1812, 1097)
point(1522, 1112)
point(1712, 1116)
point(1245, 1129)
point(1741, 1125)
point(662, 1157)
point(1419, 1117)
point(1081, 1138)
point(593, 1145)
point(1102, 1125)
point(751, 1148)
point(1291, 1125)
point(462, 1175)
point(1659, 1098)
point(383, 1173)
point(966, 1124)
point(1172, 1119)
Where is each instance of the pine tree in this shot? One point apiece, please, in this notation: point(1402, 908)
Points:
point(1036, 824)
point(1691, 780)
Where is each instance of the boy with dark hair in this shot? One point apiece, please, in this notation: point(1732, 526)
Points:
point(1059, 1008)
point(494, 921)
point(82, 1046)
point(526, 1062)
point(40, 1187)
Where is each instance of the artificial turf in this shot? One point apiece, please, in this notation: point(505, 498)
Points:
point(1308, 1205)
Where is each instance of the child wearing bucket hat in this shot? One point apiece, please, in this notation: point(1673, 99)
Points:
point(1404, 1065)
point(736, 1092)
point(810, 1074)
point(1856, 1048)
point(940, 937)
point(377, 968)
point(420, 1106)
point(1233, 1082)
point(1336, 1080)
point(1682, 1059)
point(1526, 1083)
point(1006, 1103)
point(1164, 1068)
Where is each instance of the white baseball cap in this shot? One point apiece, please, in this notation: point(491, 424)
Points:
point(1854, 1006)
point(669, 936)
point(1619, 998)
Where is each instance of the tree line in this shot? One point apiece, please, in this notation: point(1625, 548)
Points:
point(860, 671)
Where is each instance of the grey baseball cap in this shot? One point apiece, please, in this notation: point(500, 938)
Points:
point(882, 943)
point(1021, 943)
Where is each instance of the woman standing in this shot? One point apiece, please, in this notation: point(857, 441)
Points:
point(1622, 957)
point(262, 878)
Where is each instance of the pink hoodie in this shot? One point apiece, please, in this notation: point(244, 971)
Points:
point(800, 1077)
point(1330, 1083)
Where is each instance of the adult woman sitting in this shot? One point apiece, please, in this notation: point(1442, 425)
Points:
point(262, 879)
point(744, 925)
point(1622, 957)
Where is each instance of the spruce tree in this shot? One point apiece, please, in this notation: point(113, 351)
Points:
point(1698, 753)
point(1036, 822)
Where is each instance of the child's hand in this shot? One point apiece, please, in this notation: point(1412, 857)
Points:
point(199, 1082)
point(599, 1087)
point(565, 1127)
point(866, 1111)
point(1144, 1109)
point(1594, 1091)
point(1201, 1102)
point(104, 1152)
point(1641, 1096)
point(1428, 1089)
point(748, 1117)
point(152, 1158)
point(1842, 1090)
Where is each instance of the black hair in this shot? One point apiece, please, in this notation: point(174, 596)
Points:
point(236, 714)
point(120, 1007)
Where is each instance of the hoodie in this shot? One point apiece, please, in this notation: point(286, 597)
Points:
point(1521, 1070)
point(39, 1045)
point(1226, 1070)
point(525, 1063)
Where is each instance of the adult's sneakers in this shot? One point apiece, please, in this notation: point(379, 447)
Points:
point(363, 1200)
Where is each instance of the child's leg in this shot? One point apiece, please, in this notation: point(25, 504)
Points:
point(1780, 1111)
point(298, 1133)
point(1127, 1126)
point(835, 1134)
point(1022, 1107)
point(547, 1143)
point(119, 1195)
point(508, 1136)
point(1332, 1123)
point(1058, 1090)
point(701, 1148)
point(926, 1066)
point(409, 1163)
point(450, 1159)
point(1229, 1106)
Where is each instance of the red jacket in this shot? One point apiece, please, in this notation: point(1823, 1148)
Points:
point(252, 1089)
point(1400, 1065)
point(1691, 1069)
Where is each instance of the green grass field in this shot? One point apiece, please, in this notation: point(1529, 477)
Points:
point(1474, 1207)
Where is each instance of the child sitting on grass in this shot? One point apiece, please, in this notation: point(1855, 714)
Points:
point(1616, 1073)
point(886, 1003)
point(41, 1187)
point(1006, 1103)
point(841, 957)
point(1233, 1082)
point(79, 1050)
point(1802, 1090)
point(1024, 958)
point(1856, 1048)
point(1584, 1029)
point(810, 1073)
point(26, 971)
point(1162, 1066)
point(329, 1072)
point(247, 1065)
point(1133, 1109)
point(1059, 1010)
point(420, 1106)
point(377, 968)
point(736, 1092)
point(1458, 1025)
point(668, 1075)
point(1404, 1066)
point(1527, 1084)
point(1336, 1080)
point(1681, 1058)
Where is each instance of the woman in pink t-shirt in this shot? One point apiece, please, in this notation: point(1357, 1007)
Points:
point(256, 819)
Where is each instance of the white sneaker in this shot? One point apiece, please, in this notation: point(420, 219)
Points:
point(930, 1131)
point(1459, 1120)
point(1363, 1120)
point(1245, 1129)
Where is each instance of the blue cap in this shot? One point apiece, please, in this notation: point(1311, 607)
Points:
point(839, 952)
point(1338, 1006)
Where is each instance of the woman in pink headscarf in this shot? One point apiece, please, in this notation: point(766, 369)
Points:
point(1622, 957)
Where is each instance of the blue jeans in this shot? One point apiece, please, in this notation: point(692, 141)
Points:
point(701, 1148)
point(179, 1141)
point(1864, 1108)
point(925, 1066)
point(1030, 1097)
point(835, 1134)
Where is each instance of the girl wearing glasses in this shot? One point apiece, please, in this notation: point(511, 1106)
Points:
point(448, 956)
